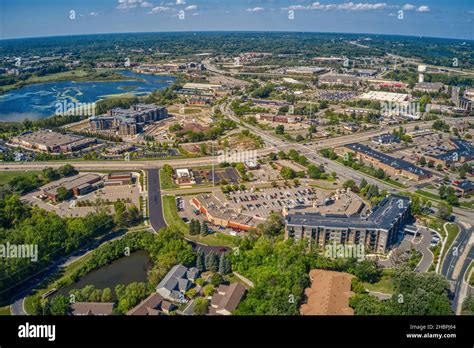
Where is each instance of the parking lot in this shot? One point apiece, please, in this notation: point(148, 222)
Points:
point(262, 203)
point(229, 175)
point(105, 197)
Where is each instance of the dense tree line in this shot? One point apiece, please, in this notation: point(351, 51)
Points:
point(415, 294)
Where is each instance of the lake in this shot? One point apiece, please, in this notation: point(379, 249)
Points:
point(126, 270)
point(39, 100)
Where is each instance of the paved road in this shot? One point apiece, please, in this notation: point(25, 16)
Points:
point(424, 248)
point(451, 258)
point(155, 206)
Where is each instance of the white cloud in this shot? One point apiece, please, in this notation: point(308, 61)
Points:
point(128, 4)
point(423, 8)
point(191, 8)
point(146, 4)
point(408, 7)
point(347, 6)
point(255, 9)
point(159, 9)
point(180, 2)
point(93, 14)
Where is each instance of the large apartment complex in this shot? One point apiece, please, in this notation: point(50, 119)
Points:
point(128, 122)
point(377, 231)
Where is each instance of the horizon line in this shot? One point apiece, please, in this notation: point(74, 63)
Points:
point(232, 31)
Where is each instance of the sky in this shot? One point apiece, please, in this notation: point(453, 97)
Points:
point(435, 18)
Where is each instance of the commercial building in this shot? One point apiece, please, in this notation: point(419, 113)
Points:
point(185, 177)
point(304, 70)
point(226, 299)
point(329, 294)
point(377, 232)
point(339, 80)
point(118, 179)
point(466, 102)
point(218, 214)
point(385, 139)
point(49, 141)
point(428, 87)
point(388, 97)
point(465, 188)
point(462, 152)
point(391, 165)
point(75, 186)
point(279, 118)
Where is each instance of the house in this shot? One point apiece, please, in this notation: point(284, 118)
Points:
point(178, 280)
point(92, 308)
point(226, 299)
point(154, 304)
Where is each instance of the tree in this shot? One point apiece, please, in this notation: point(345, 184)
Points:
point(350, 184)
point(200, 306)
point(224, 264)
point(200, 263)
point(273, 226)
point(444, 211)
point(59, 305)
point(63, 194)
point(211, 262)
point(106, 295)
point(208, 290)
point(287, 173)
point(280, 129)
point(204, 229)
point(120, 216)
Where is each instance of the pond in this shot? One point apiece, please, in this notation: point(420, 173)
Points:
point(40, 100)
point(126, 270)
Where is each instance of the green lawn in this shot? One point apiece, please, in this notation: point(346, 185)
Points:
point(5, 177)
point(166, 181)
point(468, 276)
point(173, 220)
point(5, 310)
point(453, 231)
point(385, 285)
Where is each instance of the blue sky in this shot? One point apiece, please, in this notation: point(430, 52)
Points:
point(438, 18)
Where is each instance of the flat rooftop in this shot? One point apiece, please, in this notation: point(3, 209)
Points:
point(385, 96)
point(50, 139)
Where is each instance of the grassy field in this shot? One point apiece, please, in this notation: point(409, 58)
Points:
point(173, 220)
point(5, 310)
point(5, 177)
point(453, 231)
point(385, 285)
